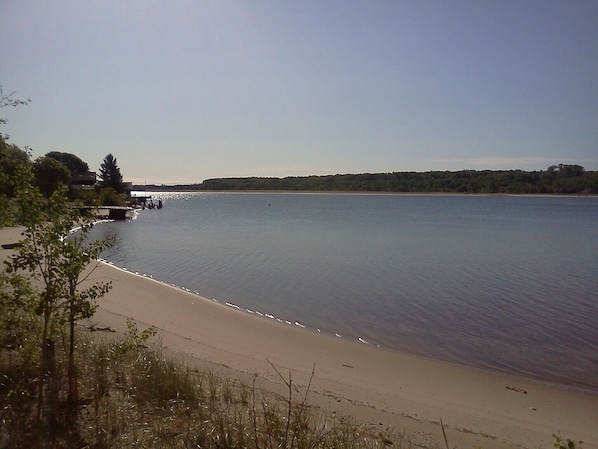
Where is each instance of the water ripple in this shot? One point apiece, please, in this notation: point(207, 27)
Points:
point(501, 283)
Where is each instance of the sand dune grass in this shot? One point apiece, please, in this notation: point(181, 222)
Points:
point(134, 395)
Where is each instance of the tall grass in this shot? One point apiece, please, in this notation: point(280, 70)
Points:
point(137, 396)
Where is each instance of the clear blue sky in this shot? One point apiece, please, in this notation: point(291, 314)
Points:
point(181, 91)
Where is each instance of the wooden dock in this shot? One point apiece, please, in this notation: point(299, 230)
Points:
point(109, 212)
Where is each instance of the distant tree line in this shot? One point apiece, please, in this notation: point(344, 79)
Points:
point(557, 179)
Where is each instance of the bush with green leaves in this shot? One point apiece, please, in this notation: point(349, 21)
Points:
point(43, 296)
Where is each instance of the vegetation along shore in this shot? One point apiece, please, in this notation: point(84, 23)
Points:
point(557, 179)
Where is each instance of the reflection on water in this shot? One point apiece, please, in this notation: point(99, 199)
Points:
point(505, 283)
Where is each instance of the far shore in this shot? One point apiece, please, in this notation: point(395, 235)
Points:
point(379, 388)
point(156, 189)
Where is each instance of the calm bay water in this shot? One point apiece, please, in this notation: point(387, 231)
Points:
point(504, 283)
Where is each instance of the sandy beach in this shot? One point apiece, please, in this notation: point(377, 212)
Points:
point(379, 388)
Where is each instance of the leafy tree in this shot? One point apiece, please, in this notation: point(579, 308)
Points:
point(74, 163)
point(81, 303)
point(11, 157)
point(110, 174)
point(49, 174)
point(43, 288)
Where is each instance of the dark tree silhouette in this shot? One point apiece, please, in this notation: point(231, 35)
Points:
point(49, 174)
point(72, 162)
point(110, 174)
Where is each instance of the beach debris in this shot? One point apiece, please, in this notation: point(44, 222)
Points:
point(93, 328)
point(517, 390)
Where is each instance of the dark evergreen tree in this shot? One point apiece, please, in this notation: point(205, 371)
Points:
point(110, 174)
